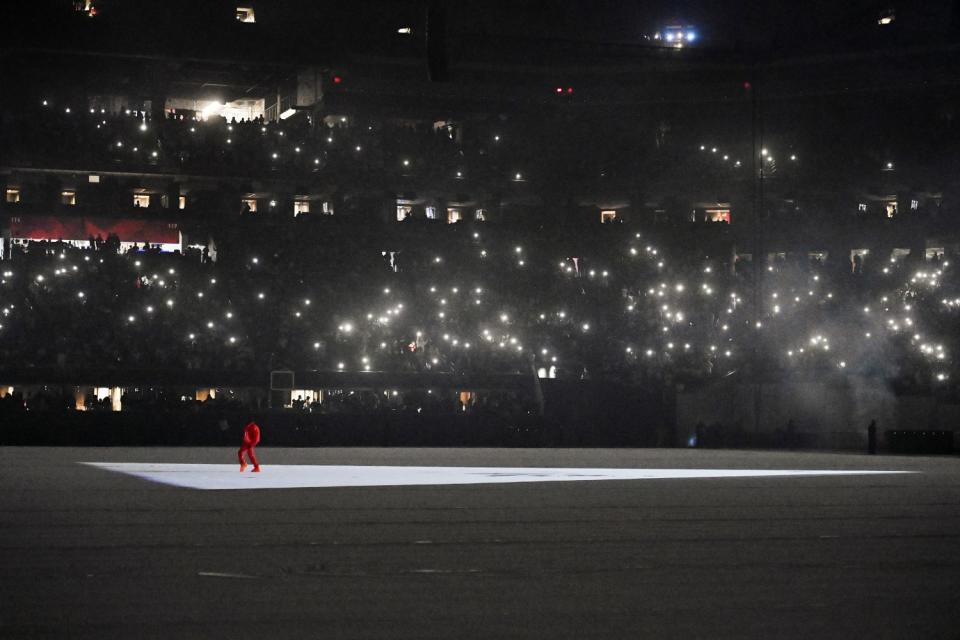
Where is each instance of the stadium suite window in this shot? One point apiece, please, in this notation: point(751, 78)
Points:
point(141, 200)
point(182, 202)
point(607, 216)
point(718, 215)
point(68, 198)
point(454, 215)
point(301, 206)
point(246, 15)
point(85, 6)
point(249, 203)
point(403, 211)
point(13, 196)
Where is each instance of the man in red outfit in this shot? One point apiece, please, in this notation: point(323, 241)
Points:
point(251, 436)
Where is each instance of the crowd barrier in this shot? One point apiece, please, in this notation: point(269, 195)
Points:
point(279, 427)
point(920, 441)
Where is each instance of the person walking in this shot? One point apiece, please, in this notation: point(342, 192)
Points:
point(251, 437)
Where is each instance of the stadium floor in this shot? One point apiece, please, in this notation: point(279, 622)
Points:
point(93, 553)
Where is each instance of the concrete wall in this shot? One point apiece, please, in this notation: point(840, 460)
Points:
point(832, 413)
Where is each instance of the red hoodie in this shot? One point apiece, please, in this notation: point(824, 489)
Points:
point(251, 435)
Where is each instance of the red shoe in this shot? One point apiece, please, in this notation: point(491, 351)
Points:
point(256, 469)
point(243, 467)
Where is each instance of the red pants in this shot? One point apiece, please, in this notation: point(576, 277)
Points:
point(250, 454)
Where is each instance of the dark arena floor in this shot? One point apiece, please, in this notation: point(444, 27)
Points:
point(95, 552)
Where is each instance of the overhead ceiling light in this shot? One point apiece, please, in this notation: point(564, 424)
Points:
point(286, 114)
point(406, 30)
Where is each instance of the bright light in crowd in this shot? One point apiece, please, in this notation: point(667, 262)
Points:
point(143, 126)
point(211, 109)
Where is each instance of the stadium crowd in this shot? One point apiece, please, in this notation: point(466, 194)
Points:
point(607, 304)
point(57, 135)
